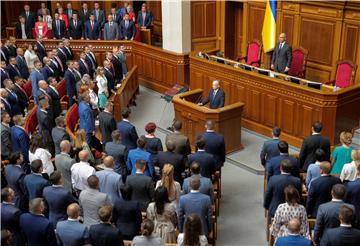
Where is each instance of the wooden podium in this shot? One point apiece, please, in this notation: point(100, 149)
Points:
point(227, 119)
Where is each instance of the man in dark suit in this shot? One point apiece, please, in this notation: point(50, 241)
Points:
point(117, 65)
point(86, 115)
point(48, 69)
point(46, 124)
point(4, 73)
point(115, 16)
point(270, 147)
point(60, 52)
point(84, 13)
point(294, 238)
point(282, 55)
point(311, 144)
point(182, 143)
point(215, 143)
point(90, 59)
point(175, 159)
point(216, 96)
point(21, 63)
point(10, 216)
point(99, 15)
point(196, 203)
point(68, 50)
point(345, 234)
point(20, 140)
point(144, 17)
point(128, 132)
point(141, 185)
point(6, 145)
point(59, 133)
point(275, 190)
point(70, 83)
point(38, 230)
point(69, 11)
point(54, 97)
point(4, 100)
point(353, 195)
point(35, 77)
point(110, 76)
point(23, 29)
point(83, 66)
point(320, 189)
point(13, 68)
point(127, 28)
point(11, 98)
point(107, 122)
point(30, 17)
point(328, 213)
point(119, 152)
point(76, 28)
point(206, 160)
point(35, 182)
point(92, 28)
point(40, 49)
point(58, 27)
point(57, 198)
point(104, 233)
point(21, 94)
point(273, 165)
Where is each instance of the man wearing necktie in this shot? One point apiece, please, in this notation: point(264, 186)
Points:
point(58, 27)
point(282, 56)
point(127, 28)
point(216, 96)
point(3, 99)
point(92, 29)
point(13, 69)
point(21, 63)
point(12, 98)
point(111, 29)
point(76, 30)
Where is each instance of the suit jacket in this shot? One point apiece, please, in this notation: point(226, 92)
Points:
point(207, 162)
point(45, 125)
point(91, 62)
point(10, 220)
point(30, 19)
point(142, 189)
point(100, 18)
point(59, 134)
point(92, 33)
point(129, 32)
point(13, 71)
point(113, 34)
point(275, 191)
point(104, 234)
point(8, 107)
point(6, 146)
point(70, 83)
point(216, 101)
point(269, 149)
point(148, 19)
point(320, 192)
point(28, 31)
point(55, 99)
point(57, 200)
point(24, 70)
point(4, 56)
point(60, 32)
point(40, 50)
point(68, 14)
point(35, 184)
point(353, 197)
point(110, 183)
point(15, 178)
point(206, 186)
point(4, 74)
point(22, 98)
point(117, 68)
point(84, 17)
point(293, 241)
point(72, 233)
point(20, 142)
point(76, 32)
point(174, 159)
point(14, 102)
point(129, 135)
point(182, 143)
point(86, 115)
point(328, 217)
point(84, 68)
point(35, 77)
point(341, 236)
point(38, 230)
point(90, 201)
point(110, 76)
point(63, 57)
point(140, 154)
point(309, 146)
point(273, 165)
point(107, 126)
point(127, 217)
point(198, 203)
point(281, 58)
point(69, 52)
point(215, 145)
point(47, 72)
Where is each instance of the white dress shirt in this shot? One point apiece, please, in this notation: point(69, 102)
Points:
point(101, 84)
point(45, 156)
point(79, 173)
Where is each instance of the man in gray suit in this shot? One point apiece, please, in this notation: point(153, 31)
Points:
point(181, 141)
point(63, 163)
point(6, 146)
point(119, 152)
point(91, 200)
point(328, 213)
point(59, 133)
point(110, 181)
point(111, 29)
point(282, 55)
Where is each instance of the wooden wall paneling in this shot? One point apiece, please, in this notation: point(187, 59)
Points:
point(256, 18)
point(230, 30)
point(155, 7)
point(270, 107)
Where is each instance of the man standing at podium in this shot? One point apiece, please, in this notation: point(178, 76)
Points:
point(282, 56)
point(216, 96)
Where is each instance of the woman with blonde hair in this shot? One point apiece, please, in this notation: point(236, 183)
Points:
point(81, 144)
point(341, 154)
point(102, 85)
point(349, 171)
point(173, 187)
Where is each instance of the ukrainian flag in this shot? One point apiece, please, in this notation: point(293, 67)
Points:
point(269, 26)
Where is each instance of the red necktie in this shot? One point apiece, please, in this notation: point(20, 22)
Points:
point(110, 28)
point(92, 25)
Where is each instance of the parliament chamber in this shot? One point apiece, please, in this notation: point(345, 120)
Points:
point(79, 84)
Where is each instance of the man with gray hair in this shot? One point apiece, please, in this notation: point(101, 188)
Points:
point(64, 162)
point(216, 96)
point(119, 152)
point(59, 133)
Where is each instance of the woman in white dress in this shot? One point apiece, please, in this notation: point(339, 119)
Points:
point(37, 151)
point(30, 57)
point(349, 171)
point(102, 86)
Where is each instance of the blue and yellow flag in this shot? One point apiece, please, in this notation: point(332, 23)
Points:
point(269, 26)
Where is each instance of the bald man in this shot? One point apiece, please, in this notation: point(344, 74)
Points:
point(80, 172)
point(64, 162)
point(216, 97)
point(282, 55)
point(71, 231)
point(320, 190)
point(294, 237)
point(110, 181)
